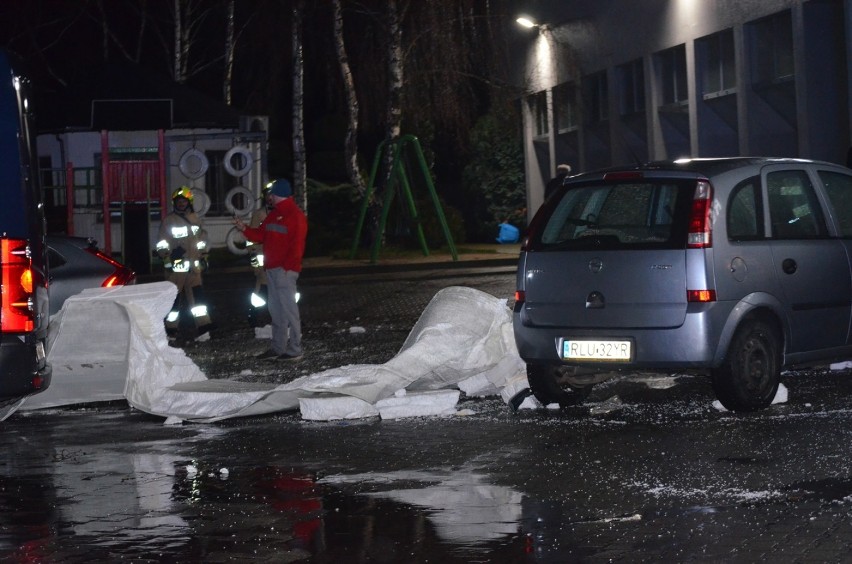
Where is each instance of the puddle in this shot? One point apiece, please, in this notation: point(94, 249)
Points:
point(137, 506)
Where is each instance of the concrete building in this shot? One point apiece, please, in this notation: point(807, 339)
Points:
point(616, 81)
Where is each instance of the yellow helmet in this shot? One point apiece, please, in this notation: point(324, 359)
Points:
point(182, 192)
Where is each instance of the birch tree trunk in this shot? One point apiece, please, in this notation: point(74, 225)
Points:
point(179, 70)
point(393, 121)
point(395, 66)
point(104, 31)
point(299, 168)
point(351, 141)
point(229, 55)
point(393, 117)
point(143, 20)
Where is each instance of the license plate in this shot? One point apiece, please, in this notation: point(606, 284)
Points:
point(587, 349)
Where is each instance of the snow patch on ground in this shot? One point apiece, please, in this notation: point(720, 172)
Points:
point(705, 495)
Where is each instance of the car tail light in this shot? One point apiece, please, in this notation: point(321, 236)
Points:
point(700, 230)
point(701, 295)
point(520, 296)
point(122, 275)
point(17, 313)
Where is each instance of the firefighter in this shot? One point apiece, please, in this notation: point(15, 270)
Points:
point(258, 313)
point(182, 244)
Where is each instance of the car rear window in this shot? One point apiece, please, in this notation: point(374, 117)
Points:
point(606, 215)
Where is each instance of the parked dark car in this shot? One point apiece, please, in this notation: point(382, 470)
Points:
point(735, 267)
point(23, 268)
point(76, 263)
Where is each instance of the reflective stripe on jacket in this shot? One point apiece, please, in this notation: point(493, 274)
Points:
point(183, 231)
point(283, 235)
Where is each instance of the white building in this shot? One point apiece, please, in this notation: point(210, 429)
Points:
point(125, 140)
point(616, 81)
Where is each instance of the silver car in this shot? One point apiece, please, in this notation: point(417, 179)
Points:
point(736, 268)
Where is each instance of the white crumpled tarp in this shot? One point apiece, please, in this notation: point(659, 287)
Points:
point(462, 334)
point(104, 341)
point(463, 339)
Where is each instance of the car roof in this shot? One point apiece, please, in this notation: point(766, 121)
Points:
point(707, 167)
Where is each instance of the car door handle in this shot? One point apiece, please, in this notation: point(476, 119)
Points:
point(789, 266)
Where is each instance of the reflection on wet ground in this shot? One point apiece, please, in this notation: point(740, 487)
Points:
point(161, 507)
point(658, 473)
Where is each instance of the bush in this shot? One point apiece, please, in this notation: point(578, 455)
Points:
point(332, 215)
point(494, 177)
point(401, 229)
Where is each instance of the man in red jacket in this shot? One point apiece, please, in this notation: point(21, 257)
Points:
point(282, 234)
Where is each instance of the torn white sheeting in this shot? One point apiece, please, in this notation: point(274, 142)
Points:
point(334, 407)
point(93, 345)
point(419, 404)
point(514, 386)
point(463, 335)
point(400, 405)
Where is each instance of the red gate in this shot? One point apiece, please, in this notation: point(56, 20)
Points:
point(131, 181)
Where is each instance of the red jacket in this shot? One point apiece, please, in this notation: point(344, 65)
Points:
point(283, 235)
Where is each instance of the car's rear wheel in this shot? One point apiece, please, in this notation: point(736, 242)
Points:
point(749, 377)
point(550, 384)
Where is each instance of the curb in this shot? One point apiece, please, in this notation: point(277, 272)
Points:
point(506, 256)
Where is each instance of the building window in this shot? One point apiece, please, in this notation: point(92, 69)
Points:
point(716, 57)
point(217, 183)
point(773, 48)
point(565, 107)
point(538, 102)
point(672, 72)
point(631, 78)
point(596, 97)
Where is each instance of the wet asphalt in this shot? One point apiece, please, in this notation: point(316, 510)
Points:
point(648, 470)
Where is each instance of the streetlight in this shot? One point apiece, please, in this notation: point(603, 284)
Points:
point(526, 22)
point(529, 23)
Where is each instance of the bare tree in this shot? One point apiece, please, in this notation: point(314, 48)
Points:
point(181, 45)
point(299, 157)
point(395, 72)
point(351, 142)
point(116, 38)
point(104, 30)
point(229, 54)
point(393, 123)
point(189, 17)
point(143, 20)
